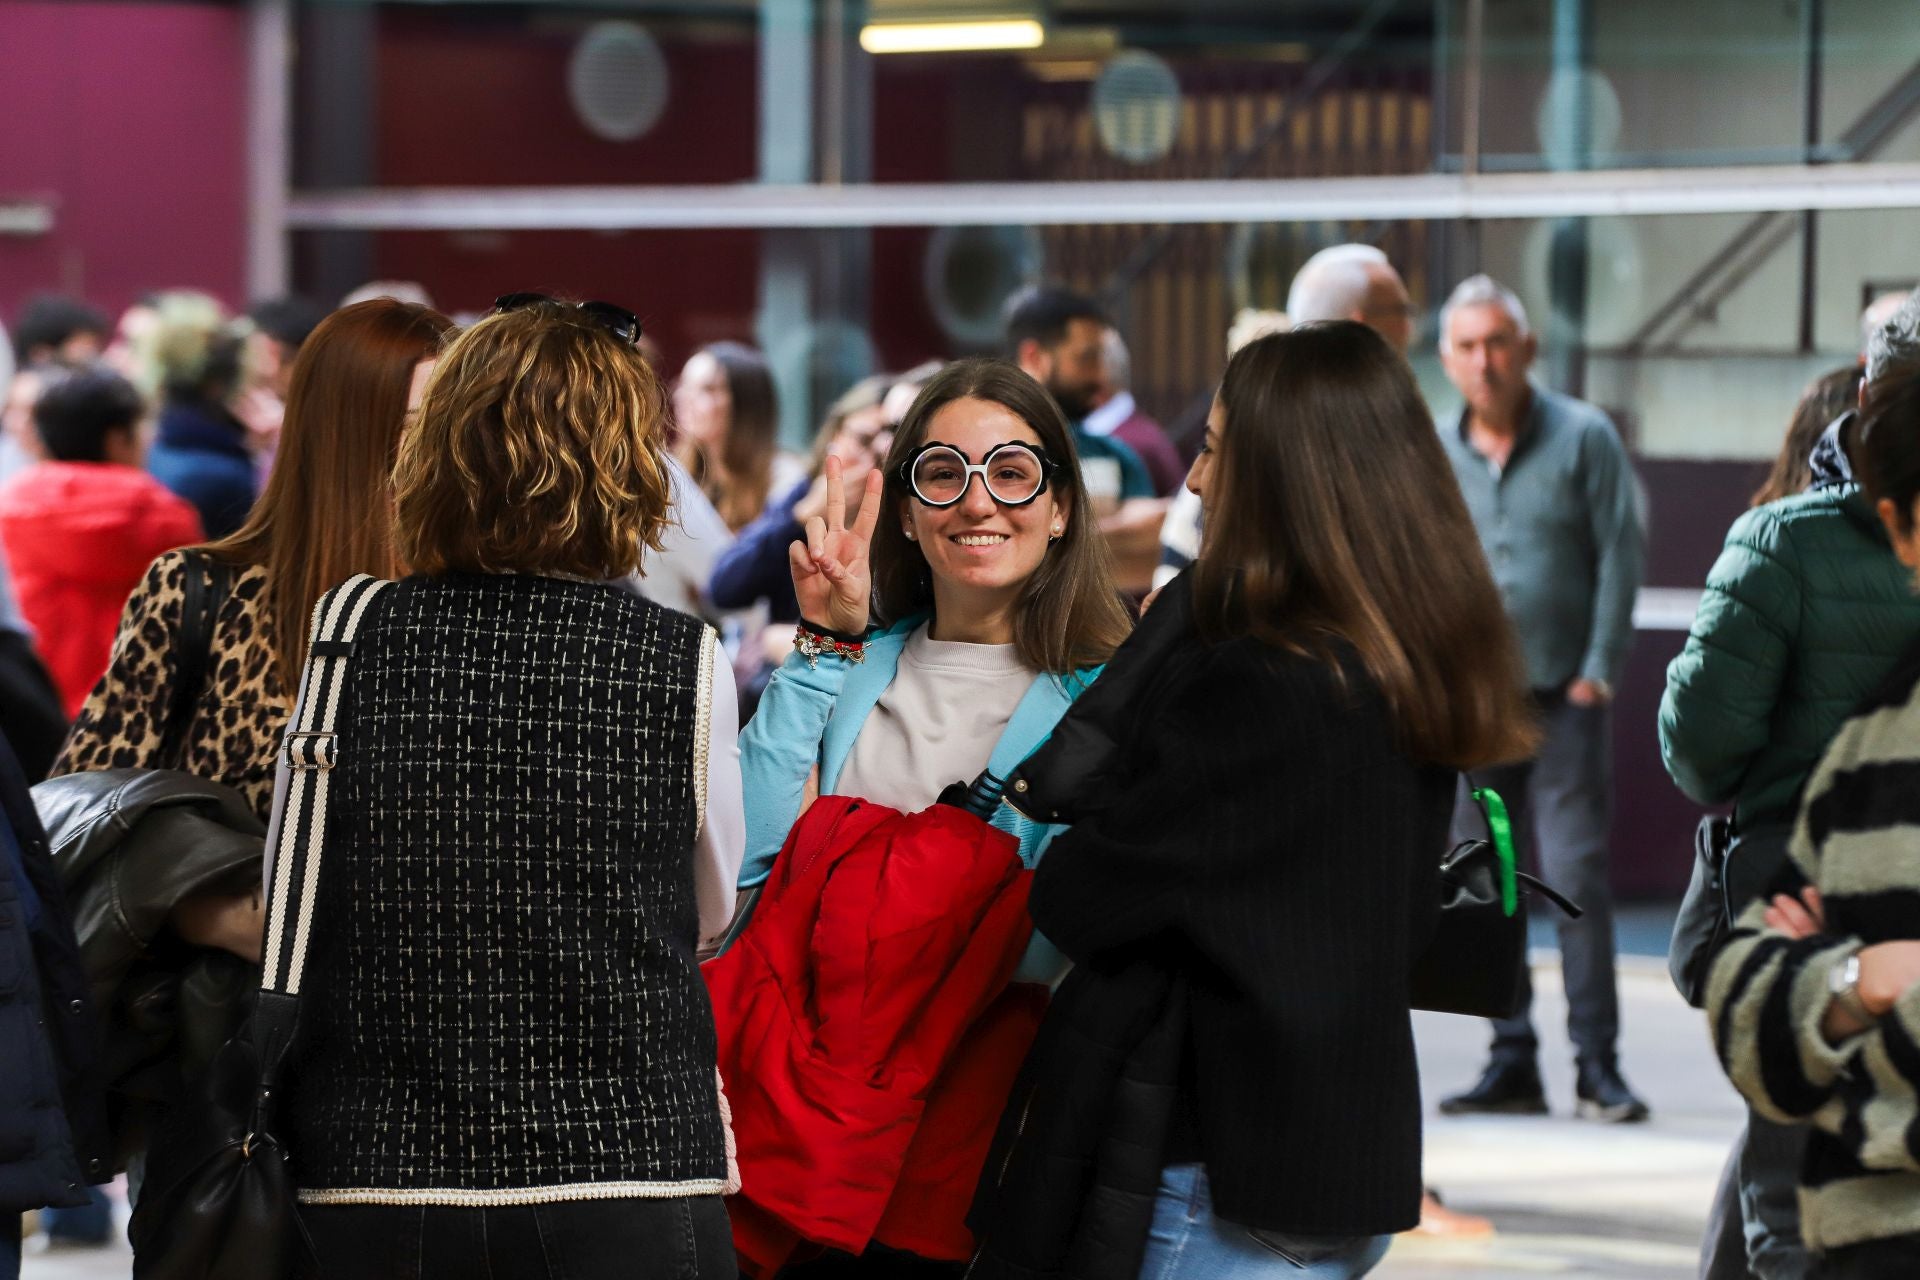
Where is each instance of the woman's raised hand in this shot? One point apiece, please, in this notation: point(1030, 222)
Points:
point(831, 578)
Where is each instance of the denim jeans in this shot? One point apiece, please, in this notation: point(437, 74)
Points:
point(1561, 805)
point(1188, 1241)
point(682, 1238)
point(91, 1223)
point(1753, 1229)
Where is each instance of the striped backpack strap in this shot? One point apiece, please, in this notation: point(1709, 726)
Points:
point(298, 837)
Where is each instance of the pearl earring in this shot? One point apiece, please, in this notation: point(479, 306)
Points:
point(910, 535)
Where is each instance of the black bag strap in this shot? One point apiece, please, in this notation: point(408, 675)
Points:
point(298, 836)
point(207, 581)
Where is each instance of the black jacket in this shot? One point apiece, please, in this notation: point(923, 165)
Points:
point(1071, 1178)
point(130, 845)
point(1269, 844)
point(53, 1131)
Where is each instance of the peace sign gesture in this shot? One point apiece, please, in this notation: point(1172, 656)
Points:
point(831, 578)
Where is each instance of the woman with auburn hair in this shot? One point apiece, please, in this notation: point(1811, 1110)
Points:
point(1245, 911)
point(326, 514)
point(946, 626)
point(508, 1062)
point(727, 419)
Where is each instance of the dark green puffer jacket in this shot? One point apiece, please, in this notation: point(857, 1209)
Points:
point(1805, 611)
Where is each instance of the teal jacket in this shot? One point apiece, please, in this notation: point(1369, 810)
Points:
point(1805, 611)
point(810, 716)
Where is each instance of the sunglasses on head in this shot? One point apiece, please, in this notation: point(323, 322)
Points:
point(618, 321)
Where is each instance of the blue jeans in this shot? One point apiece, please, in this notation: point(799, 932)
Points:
point(1188, 1241)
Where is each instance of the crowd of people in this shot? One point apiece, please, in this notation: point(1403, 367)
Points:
point(663, 874)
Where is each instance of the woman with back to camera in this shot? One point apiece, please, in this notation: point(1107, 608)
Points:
point(1804, 612)
point(509, 1065)
point(728, 420)
point(1823, 400)
point(974, 550)
point(1814, 1002)
point(1257, 891)
point(326, 514)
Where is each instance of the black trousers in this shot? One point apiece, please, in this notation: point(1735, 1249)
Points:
point(1895, 1258)
point(685, 1238)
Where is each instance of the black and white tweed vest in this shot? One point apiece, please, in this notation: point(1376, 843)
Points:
point(502, 1004)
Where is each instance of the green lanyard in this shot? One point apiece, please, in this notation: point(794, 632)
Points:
point(1502, 828)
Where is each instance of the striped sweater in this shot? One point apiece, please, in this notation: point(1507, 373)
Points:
point(1857, 837)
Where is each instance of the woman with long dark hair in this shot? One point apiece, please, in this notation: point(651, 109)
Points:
point(727, 420)
point(1245, 911)
point(326, 514)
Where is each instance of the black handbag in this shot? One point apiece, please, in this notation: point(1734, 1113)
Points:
point(1730, 869)
point(1474, 961)
point(219, 1202)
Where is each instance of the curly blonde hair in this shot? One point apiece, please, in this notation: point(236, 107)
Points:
point(538, 449)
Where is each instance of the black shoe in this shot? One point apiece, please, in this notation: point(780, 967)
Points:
point(1507, 1088)
point(1603, 1095)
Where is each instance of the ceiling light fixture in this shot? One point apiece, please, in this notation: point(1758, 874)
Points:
point(951, 37)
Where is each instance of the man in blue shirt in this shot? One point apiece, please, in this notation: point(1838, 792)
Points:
point(1552, 495)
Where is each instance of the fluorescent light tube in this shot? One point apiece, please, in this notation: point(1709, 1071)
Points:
point(951, 37)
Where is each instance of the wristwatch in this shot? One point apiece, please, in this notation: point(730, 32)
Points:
point(1843, 984)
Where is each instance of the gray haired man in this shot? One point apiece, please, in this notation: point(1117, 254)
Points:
point(1552, 495)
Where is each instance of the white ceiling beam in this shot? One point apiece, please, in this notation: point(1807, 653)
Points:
point(1633, 192)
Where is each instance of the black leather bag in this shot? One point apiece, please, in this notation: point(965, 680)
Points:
point(219, 1202)
point(1702, 923)
point(1730, 869)
point(1473, 963)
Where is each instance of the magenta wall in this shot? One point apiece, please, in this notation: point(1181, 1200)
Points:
point(132, 119)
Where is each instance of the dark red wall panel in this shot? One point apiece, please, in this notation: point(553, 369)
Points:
point(132, 118)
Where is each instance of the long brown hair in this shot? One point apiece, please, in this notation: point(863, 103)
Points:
point(738, 486)
point(539, 449)
point(1069, 614)
point(1825, 398)
point(327, 512)
point(1333, 515)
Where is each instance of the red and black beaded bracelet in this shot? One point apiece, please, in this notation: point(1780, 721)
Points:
point(811, 641)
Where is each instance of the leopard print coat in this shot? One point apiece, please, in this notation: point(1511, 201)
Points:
point(235, 731)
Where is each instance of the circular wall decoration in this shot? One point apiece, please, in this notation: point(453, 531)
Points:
point(617, 81)
point(970, 272)
point(1616, 276)
point(1579, 108)
point(1136, 107)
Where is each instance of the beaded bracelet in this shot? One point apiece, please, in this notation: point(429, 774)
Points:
point(810, 642)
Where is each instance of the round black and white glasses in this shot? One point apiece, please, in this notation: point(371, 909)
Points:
point(1014, 473)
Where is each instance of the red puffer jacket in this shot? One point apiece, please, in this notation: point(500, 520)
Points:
point(868, 1036)
point(79, 537)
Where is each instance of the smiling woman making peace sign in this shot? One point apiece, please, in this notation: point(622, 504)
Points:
point(975, 576)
